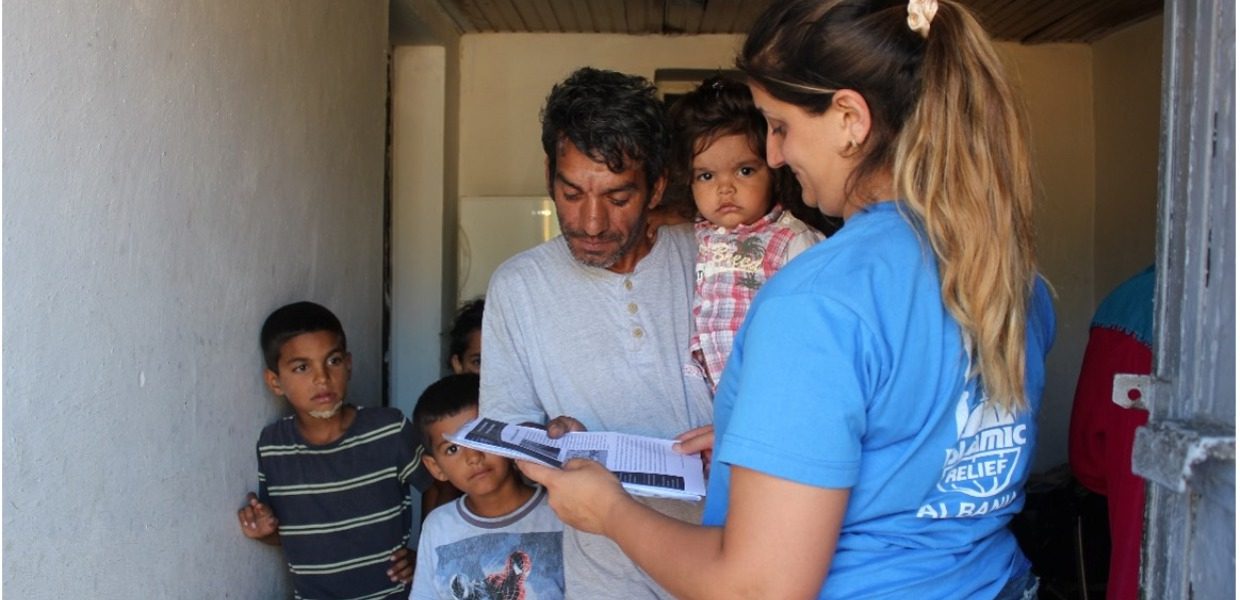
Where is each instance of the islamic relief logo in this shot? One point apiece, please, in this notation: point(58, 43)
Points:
point(987, 452)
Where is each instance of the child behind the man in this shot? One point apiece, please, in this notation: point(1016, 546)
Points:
point(499, 540)
point(464, 356)
point(465, 338)
point(744, 236)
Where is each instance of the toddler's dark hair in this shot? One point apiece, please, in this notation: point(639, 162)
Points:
point(444, 398)
point(468, 320)
point(718, 107)
point(292, 320)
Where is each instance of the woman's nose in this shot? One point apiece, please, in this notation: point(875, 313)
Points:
point(774, 154)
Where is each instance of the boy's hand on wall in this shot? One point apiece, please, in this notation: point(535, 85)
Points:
point(257, 520)
point(402, 565)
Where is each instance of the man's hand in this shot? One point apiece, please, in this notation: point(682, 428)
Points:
point(665, 214)
point(584, 494)
point(563, 424)
point(402, 565)
point(257, 520)
point(701, 439)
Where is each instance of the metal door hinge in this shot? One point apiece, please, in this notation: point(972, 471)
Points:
point(1132, 391)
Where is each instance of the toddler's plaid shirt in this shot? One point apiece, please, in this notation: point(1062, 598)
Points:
point(731, 266)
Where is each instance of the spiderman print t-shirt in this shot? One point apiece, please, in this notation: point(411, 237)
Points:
point(515, 557)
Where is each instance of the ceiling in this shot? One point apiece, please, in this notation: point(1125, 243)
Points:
point(1025, 21)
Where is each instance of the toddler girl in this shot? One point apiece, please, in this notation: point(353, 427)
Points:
point(743, 234)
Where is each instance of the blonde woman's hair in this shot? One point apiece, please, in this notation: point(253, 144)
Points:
point(947, 125)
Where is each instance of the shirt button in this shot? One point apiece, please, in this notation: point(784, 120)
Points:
point(628, 284)
point(637, 332)
point(632, 308)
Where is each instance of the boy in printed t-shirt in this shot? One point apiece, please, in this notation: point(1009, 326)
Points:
point(499, 540)
point(333, 478)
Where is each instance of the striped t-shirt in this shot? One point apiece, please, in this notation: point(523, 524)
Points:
point(343, 507)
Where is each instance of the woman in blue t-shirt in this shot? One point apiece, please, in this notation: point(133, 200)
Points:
point(875, 424)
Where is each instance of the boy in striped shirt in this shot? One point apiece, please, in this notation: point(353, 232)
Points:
point(333, 478)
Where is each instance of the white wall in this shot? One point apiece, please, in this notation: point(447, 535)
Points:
point(501, 151)
point(1056, 82)
point(418, 97)
point(425, 24)
point(1127, 108)
point(173, 171)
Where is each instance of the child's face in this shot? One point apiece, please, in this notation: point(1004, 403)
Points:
point(469, 361)
point(473, 472)
point(313, 374)
point(731, 183)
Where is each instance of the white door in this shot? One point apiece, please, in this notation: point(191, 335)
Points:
point(1187, 451)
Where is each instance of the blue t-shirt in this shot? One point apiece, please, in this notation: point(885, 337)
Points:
point(1130, 308)
point(850, 373)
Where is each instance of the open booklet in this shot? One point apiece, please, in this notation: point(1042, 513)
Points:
point(646, 466)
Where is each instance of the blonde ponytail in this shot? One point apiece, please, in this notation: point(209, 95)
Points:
point(962, 166)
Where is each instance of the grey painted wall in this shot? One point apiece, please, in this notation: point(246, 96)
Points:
point(172, 172)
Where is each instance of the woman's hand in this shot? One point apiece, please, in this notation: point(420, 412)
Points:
point(584, 494)
point(700, 439)
point(665, 214)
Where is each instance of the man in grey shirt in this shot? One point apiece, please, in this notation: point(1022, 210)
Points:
point(592, 328)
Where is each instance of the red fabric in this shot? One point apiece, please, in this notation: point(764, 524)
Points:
point(1100, 448)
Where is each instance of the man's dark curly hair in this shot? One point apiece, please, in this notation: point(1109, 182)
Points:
point(613, 118)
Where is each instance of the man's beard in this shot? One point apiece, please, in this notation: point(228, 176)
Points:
point(605, 262)
point(327, 413)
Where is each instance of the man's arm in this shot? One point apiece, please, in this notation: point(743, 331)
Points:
point(507, 393)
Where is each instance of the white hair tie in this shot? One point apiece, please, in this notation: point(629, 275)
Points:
point(920, 13)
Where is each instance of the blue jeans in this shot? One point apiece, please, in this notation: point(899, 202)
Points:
point(1020, 587)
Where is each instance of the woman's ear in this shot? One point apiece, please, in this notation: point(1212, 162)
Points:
point(855, 115)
